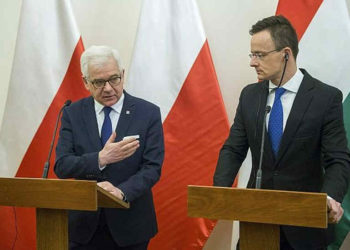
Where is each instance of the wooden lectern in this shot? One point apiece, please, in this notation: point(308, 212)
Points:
point(260, 211)
point(52, 198)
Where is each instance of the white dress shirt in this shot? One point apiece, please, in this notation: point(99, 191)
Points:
point(114, 114)
point(287, 99)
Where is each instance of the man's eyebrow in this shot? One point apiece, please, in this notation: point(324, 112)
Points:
point(114, 75)
point(101, 79)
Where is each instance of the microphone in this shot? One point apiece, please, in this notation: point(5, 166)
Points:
point(47, 163)
point(259, 173)
point(286, 57)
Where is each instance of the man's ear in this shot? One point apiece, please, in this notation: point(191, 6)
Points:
point(288, 53)
point(86, 84)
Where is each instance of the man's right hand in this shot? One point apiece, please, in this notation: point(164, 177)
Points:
point(117, 151)
point(335, 211)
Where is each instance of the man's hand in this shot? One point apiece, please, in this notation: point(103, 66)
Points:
point(117, 151)
point(106, 185)
point(335, 211)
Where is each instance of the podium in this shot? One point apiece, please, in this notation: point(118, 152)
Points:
point(259, 211)
point(52, 199)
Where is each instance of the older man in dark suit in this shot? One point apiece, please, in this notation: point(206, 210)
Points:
point(306, 147)
point(116, 139)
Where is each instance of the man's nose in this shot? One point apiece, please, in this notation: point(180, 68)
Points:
point(253, 62)
point(107, 86)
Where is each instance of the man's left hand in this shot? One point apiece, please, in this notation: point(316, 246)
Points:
point(106, 185)
point(335, 211)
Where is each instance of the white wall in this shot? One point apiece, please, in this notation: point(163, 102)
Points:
point(9, 19)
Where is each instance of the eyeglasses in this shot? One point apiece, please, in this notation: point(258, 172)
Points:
point(113, 81)
point(261, 55)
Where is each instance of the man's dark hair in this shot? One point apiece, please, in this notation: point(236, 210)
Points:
point(282, 32)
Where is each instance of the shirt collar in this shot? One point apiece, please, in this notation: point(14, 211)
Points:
point(117, 107)
point(292, 85)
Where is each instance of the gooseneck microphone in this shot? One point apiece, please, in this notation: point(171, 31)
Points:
point(259, 173)
point(47, 163)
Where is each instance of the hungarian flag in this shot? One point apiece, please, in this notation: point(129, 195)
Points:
point(45, 74)
point(172, 67)
point(323, 28)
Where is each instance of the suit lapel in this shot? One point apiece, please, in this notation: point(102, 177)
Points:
point(300, 105)
point(125, 117)
point(89, 117)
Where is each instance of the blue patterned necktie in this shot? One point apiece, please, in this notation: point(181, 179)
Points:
point(276, 121)
point(106, 130)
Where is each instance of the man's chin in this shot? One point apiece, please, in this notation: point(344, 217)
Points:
point(109, 101)
point(260, 77)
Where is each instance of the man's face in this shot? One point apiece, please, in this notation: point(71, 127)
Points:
point(111, 92)
point(267, 61)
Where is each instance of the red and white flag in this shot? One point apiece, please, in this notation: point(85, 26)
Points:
point(172, 67)
point(45, 74)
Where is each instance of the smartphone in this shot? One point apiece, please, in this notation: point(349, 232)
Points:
point(131, 136)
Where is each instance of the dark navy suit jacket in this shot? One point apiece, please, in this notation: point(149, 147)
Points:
point(77, 157)
point(313, 154)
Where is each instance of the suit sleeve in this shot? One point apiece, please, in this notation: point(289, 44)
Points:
point(234, 150)
point(152, 159)
point(335, 152)
point(69, 163)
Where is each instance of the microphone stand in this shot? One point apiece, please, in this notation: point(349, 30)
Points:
point(259, 173)
point(47, 163)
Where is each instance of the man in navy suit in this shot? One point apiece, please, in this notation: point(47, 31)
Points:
point(305, 147)
point(116, 139)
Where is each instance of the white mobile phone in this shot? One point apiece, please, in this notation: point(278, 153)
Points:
point(131, 136)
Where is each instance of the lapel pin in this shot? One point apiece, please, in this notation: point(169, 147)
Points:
point(127, 112)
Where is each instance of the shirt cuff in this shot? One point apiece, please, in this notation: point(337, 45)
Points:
point(124, 197)
point(99, 165)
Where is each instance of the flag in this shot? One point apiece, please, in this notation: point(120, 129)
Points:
point(172, 67)
point(323, 28)
point(45, 73)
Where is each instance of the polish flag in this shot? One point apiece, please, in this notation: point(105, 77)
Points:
point(172, 67)
point(45, 74)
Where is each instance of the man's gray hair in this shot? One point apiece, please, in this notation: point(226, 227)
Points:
point(97, 55)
